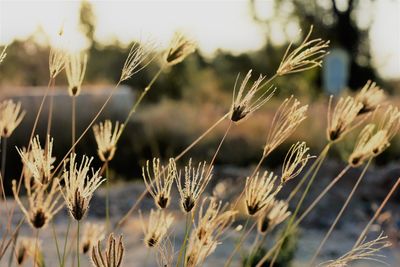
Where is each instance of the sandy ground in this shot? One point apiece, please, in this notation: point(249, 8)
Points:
point(123, 195)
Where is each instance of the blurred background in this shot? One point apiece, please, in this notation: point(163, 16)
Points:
point(232, 37)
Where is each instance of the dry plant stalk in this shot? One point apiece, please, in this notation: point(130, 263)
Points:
point(79, 186)
point(260, 192)
point(286, 120)
point(195, 182)
point(111, 256)
point(272, 215)
point(179, 48)
point(11, 116)
point(38, 162)
point(106, 139)
point(156, 227)
point(92, 233)
point(306, 56)
point(365, 251)
point(75, 68)
point(3, 54)
point(245, 101)
point(159, 181)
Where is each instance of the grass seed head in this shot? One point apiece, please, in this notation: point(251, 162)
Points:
point(295, 160)
point(156, 228)
point(26, 248)
point(111, 256)
point(3, 54)
point(179, 48)
point(75, 68)
point(10, 117)
point(106, 139)
point(273, 215)
point(370, 96)
point(92, 233)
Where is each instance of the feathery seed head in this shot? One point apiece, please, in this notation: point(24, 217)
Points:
point(364, 251)
point(106, 139)
point(273, 215)
point(57, 60)
point(38, 162)
point(295, 160)
point(10, 117)
point(342, 117)
point(3, 54)
point(245, 103)
point(92, 233)
point(75, 68)
point(308, 55)
point(370, 96)
point(156, 228)
point(138, 58)
point(196, 180)
point(286, 120)
point(26, 248)
point(79, 186)
point(179, 49)
point(42, 202)
point(260, 191)
point(111, 256)
point(159, 181)
point(166, 253)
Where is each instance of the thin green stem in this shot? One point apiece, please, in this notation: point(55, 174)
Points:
point(77, 244)
point(182, 250)
point(349, 197)
point(245, 233)
point(66, 241)
point(107, 197)
point(56, 241)
point(36, 247)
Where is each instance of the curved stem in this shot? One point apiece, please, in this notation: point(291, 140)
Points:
point(377, 212)
point(327, 235)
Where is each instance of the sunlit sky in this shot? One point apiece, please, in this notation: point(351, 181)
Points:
point(224, 24)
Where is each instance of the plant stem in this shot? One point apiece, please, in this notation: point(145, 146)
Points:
point(65, 242)
point(293, 217)
point(50, 113)
point(241, 240)
point(77, 243)
point(182, 250)
point(56, 241)
point(327, 235)
point(73, 126)
point(3, 169)
point(107, 198)
point(36, 247)
point(377, 212)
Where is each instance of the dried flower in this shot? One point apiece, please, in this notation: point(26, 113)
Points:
point(198, 250)
point(92, 233)
point(79, 186)
point(57, 59)
point(344, 114)
point(135, 61)
point(111, 256)
point(26, 248)
point(308, 55)
point(195, 183)
point(156, 227)
point(179, 49)
point(166, 252)
point(286, 120)
point(38, 162)
point(373, 140)
point(159, 181)
point(370, 96)
point(3, 54)
point(42, 202)
point(75, 68)
point(244, 104)
point(294, 162)
point(260, 192)
point(364, 251)
point(106, 139)
point(273, 215)
point(10, 117)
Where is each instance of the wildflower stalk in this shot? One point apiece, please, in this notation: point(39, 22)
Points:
point(65, 242)
point(218, 149)
point(107, 197)
point(51, 103)
point(182, 250)
point(349, 197)
point(77, 243)
point(377, 212)
point(36, 247)
point(245, 233)
point(56, 242)
point(288, 228)
point(73, 126)
point(3, 169)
